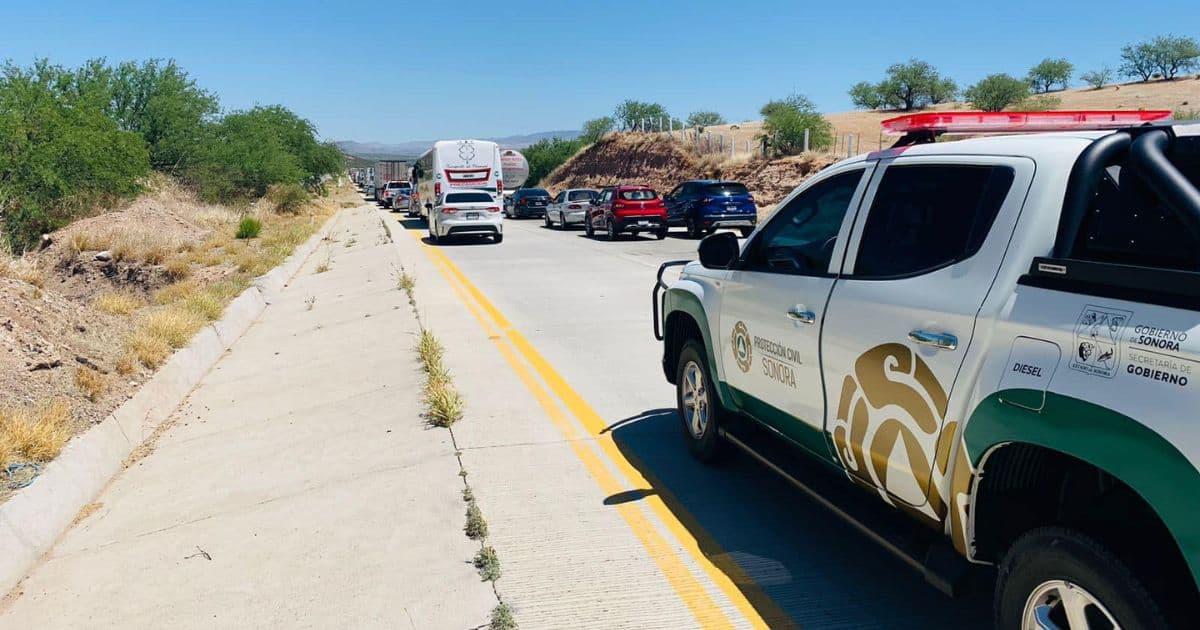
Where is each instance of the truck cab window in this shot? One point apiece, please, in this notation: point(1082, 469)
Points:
point(801, 236)
point(925, 217)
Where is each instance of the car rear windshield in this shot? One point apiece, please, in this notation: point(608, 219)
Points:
point(726, 189)
point(1128, 224)
point(581, 195)
point(638, 195)
point(468, 197)
point(398, 185)
point(534, 192)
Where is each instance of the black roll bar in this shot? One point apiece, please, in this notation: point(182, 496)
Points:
point(1148, 157)
point(1081, 186)
point(656, 299)
point(1146, 148)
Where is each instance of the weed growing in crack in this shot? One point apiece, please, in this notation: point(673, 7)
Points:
point(502, 618)
point(488, 564)
point(476, 528)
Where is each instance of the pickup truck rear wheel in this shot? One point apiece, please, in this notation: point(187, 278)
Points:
point(1054, 577)
point(699, 409)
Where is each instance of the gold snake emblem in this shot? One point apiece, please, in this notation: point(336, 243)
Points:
point(866, 430)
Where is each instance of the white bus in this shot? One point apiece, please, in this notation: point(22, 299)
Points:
point(457, 165)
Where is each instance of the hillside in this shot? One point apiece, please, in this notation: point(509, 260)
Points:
point(661, 162)
point(1181, 94)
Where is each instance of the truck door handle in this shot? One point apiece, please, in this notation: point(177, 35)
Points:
point(943, 341)
point(802, 316)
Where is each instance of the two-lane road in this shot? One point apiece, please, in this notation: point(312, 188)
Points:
point(585, 306)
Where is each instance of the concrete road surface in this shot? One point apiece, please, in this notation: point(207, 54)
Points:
point(574, 314)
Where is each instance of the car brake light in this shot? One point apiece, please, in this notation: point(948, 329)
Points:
point(437, 188)
point(449, 210)
point(573, 206)
point(493, 209)
point(1015, 122)
point(499, 187)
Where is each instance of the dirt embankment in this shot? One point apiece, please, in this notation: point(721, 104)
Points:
point(662, 163)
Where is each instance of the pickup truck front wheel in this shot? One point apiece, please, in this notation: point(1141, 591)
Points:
point(1054, 577)
point(699, 408)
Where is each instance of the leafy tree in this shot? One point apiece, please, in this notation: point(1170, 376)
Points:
point(161, 102)
point(546, 155)
point(1173, 54)
point(1097, 78)
point(629, 114)
point(700, 120)
point(865, 95)
point(1137, 61)
point(1050, 72)
point(596, 128)
point(786, 120)
point(60, 153)
point(911, 85)
point(997, 91)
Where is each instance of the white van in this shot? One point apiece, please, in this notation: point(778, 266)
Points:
point(457, 165)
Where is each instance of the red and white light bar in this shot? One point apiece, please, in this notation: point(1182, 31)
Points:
point(1020, 122)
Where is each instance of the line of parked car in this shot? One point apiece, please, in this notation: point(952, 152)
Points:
point(700, 206)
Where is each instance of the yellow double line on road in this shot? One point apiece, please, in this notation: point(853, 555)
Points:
point(511, 343)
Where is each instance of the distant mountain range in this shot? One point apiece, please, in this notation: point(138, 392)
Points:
point(414, 148)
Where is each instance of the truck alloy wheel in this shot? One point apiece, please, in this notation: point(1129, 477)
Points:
point(699, 409)
point(1053, 577)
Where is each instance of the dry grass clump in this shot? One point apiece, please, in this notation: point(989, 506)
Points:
point(34, 434)
point(117, 303)
point(174, 325)
point(129, 245)
point(163, 331)
point(91, 382)
point(147, 349)
point(22, 269)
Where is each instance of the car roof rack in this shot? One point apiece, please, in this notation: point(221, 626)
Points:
point(925, 127)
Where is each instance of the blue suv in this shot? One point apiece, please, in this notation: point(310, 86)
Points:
point(703, 205)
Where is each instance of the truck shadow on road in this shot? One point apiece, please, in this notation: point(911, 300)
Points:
point(795, 562)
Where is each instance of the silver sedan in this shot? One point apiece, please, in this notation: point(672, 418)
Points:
point(570, 207)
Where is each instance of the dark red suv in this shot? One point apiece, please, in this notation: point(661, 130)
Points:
point(627, 209)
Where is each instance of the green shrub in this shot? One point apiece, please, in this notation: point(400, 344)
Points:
point(786, 120)
point(997, 91)
point(546, 155)
point(289, 197)
point(249, 228)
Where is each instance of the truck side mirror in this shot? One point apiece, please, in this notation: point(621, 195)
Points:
point(719, 251)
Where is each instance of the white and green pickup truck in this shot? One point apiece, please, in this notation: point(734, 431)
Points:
point(999, 337)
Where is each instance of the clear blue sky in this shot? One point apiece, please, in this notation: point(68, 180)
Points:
point(436, 68)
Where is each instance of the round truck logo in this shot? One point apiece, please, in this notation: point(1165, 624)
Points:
point(741, 346)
